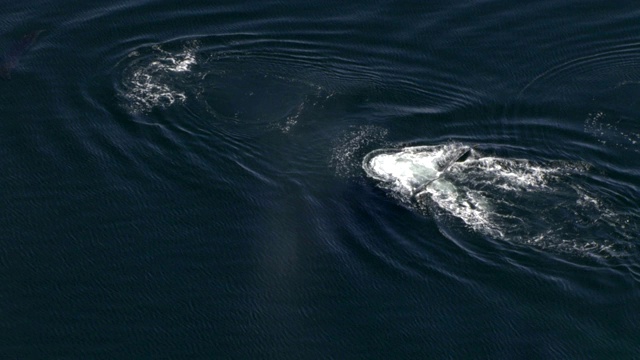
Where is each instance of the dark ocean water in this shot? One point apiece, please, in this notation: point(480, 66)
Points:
point(192, 180)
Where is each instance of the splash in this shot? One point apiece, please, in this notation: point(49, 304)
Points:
point(415, 168)
point(154, 80)
point(550, 205)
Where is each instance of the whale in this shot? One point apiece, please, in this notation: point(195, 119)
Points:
point(412, 169)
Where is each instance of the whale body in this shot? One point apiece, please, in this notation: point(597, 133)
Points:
point(412, 169)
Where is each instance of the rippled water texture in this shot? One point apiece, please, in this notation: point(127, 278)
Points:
point(282, 179)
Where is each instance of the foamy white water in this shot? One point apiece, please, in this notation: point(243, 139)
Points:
point(152, 81)
point(515, 200)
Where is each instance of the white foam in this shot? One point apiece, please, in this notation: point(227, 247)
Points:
point(510, 199)
point(408, 170)
point(151, 81)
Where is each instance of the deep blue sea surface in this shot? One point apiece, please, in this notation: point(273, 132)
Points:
point(331, 180)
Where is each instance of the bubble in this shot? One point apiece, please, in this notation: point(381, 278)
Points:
point(352, 145)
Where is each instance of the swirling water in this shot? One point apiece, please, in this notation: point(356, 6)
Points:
point(281, 179)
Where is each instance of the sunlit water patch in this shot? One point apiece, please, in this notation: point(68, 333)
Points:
point(552, 205)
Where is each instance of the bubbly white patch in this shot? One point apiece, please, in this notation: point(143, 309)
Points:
point(472, 207)
point(517, 200)
point(147, 92)
point(352, 145)
point(608, 131)
point(154, 80)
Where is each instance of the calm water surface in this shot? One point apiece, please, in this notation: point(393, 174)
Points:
point(200, 180)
